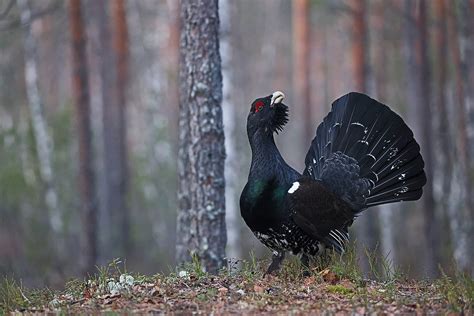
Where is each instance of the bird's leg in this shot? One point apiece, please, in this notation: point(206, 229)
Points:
point(305, 264)
point(277, 259)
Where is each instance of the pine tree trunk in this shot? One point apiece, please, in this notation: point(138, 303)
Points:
point(116, 172)
point(229, 118)
point(461, 217)
point(467, 53)
point(86, 166)
point(466, 17)
point(35, 104)
point(172, 67)
point(387, 212)
point(103, 74)
point(419, 100)
point(96, 20)
point(441, 51)
point(201, 229)
point(359, 45)
point(301, 65)
point(365, 224)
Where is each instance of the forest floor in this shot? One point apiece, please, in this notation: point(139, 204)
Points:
point(336, 288)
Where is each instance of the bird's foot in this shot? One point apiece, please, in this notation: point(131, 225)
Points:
point(277, 259)
point(305, 264)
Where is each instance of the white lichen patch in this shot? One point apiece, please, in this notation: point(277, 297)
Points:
point(124, 284)
point(183, 274)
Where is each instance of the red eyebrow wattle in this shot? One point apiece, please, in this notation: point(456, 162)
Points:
point(258, 105)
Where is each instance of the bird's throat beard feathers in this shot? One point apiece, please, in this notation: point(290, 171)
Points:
point(280, 118)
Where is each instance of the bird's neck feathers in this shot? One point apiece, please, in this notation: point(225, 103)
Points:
point(266, 158)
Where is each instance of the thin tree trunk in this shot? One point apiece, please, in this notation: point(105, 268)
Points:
point(115, 134)
point(461, 217)
point(301, 64)
point(386, 212)
point(465, 68)
point(229, 118)
point(467, 53)
point(365, 225)
point(359, 45)
point(42, 139)
point(466, 18)
point(445, 160)
point(419, 100)
point(172, 68)
point(102, 74)
point(86, 166)
point(201, 229)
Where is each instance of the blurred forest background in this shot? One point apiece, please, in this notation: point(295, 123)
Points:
point(119, 156)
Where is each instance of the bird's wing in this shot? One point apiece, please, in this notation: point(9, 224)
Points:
point(319, 212)
point(365, 154)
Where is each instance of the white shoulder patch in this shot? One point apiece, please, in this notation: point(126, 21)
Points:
point(294, 187)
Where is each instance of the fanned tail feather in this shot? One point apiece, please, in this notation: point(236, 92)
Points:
point(379, 141)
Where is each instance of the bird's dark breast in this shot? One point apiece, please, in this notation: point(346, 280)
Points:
point(264, 208)
point(262, 205)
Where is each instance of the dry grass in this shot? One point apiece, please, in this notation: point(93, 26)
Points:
point(336, 286)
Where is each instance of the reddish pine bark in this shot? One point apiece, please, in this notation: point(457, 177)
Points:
point(115, 132)
point(418, 97)
point(301, 64)
point(359, 38)
point(365, 225)
point(82, 104)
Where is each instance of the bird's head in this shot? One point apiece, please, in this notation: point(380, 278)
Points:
point(267, 114)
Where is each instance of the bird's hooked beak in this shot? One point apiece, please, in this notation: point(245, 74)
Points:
point(277, 97)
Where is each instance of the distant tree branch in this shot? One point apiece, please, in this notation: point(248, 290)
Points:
point(16, 23)
point(7, 9)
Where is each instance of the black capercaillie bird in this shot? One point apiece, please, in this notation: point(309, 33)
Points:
point(363, 155)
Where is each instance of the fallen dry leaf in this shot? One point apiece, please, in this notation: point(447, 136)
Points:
point(258, 289)
point(223, 290)
point(329, 276)
point(309, 281)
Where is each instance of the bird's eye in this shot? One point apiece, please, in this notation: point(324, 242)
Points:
point(258, 106)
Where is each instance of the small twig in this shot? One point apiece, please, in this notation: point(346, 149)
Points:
point(22, 294)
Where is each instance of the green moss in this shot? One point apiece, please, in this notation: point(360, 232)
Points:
point(339, 289)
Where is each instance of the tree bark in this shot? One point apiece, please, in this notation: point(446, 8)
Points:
point(172, 68)
point(96, 25)
point(359, 45)
point(110, 48)
point(86, 167)
point(386, 212)
point(301, 65)
point(461, 217)
point(365, 225)
point(201, 229)
point(466, 18)
point(445, 160)
point(419, 100)
point(229, 118)
point(35, 104)
point(116, 170)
